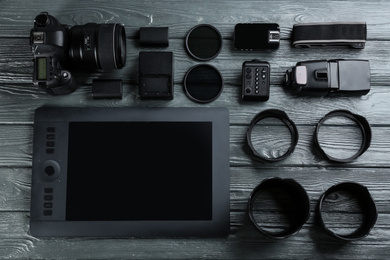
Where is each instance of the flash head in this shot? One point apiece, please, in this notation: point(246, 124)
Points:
point(318, 78)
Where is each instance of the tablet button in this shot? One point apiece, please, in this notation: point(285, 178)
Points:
point(50, 170)
point(51, 129)
point(48, 205)
point(48, 197)
point(47, 212)
point(49, 190)
point(50, 137)
point(50, 151)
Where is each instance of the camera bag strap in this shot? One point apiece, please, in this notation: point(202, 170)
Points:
point(337, 34)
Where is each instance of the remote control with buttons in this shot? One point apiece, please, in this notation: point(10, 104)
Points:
point(255, 80)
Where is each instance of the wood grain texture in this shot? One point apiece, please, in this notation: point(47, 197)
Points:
point(19, 99)
point(243, 239)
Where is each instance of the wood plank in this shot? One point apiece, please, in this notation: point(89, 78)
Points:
point(16, 141)
point(15, 196)
point(20, 97)
point(306, 155)
point(15, 191)
point(19, 102)
point(16, 65)
point(17, 148)
point(243, 242)
point(180, 16)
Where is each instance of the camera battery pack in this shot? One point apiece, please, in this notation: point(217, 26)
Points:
point(154, 36)
point(110, 89)
point(156, 75)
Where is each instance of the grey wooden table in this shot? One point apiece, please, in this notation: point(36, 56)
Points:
point(19, 98)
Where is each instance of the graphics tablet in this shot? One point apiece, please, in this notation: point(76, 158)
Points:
point(130, 172)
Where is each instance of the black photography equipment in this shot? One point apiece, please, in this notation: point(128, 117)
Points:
point(335, 34)
point(203, 42)
point(107, 88)
point(255, 80)
point(322, 77)
point(282, 116)
point(154, 36)
point(57, 46)
point(364, 127)
point(156, 75)
point(365, 203)
point(292, 203)
point(256, 36)
point(203, 83)
point(130, 172)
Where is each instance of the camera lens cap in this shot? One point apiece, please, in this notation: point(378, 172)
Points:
point(203, 83)
point(204, 42)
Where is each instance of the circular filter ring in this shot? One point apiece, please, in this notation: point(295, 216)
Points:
point(203, 42)
point(203, 83)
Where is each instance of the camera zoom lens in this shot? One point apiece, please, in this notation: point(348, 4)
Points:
point(98, 46)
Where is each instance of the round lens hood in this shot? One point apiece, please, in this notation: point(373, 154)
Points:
point(365, 201)
point(286, 193)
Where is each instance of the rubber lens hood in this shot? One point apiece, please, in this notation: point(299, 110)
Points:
point(367, 205)
point(296, 199)
point(359, 120)
point(286, 120)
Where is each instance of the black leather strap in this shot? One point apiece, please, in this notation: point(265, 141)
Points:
point(298, 204)
point(360, 121)
point(286, 120)
point(366, 203)
point(330, 34)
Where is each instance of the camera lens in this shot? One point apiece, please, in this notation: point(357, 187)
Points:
point(98, 46)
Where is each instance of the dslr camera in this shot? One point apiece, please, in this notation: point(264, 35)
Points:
point(57, 47)
point(318, 78)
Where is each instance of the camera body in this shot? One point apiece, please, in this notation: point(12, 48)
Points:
point(56, 46)
point(321, 77)
point(48, 40)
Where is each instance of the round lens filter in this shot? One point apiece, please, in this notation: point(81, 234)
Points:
point(204, 42)
point(203, 83)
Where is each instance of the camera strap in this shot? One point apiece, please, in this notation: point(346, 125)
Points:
point(311, 35)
